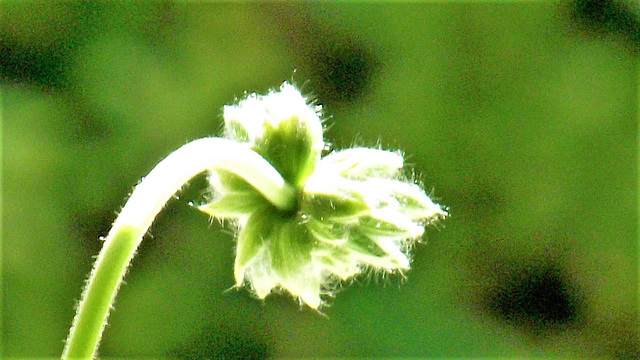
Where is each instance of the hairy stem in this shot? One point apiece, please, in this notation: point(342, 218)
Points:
point(146, 201)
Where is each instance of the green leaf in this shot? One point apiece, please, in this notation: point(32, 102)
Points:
point(389, 226)
point(364, 245)
point(324, 206)
point(290, 148)
point(327, 231)
point(381, 252)
point(235, 204)
point(232, 182)
point(251, 239)
point(290, 248)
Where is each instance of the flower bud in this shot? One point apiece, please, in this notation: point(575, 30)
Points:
point(355, 211)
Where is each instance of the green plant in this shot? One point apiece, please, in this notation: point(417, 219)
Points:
point(304, 222)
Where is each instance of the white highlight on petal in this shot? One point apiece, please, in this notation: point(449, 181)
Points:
point(275, 107)
point(361, 162)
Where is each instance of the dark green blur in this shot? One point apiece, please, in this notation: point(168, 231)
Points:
point(520, 117)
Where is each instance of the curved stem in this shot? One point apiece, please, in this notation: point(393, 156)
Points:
point(146, 201)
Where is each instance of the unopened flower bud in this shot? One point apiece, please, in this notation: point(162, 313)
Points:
point(355, 210)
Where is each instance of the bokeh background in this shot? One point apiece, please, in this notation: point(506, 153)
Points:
point(520, 117)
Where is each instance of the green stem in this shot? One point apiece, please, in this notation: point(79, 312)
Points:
point(146, 201)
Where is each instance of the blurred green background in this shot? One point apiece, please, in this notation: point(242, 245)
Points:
point(521, 117)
